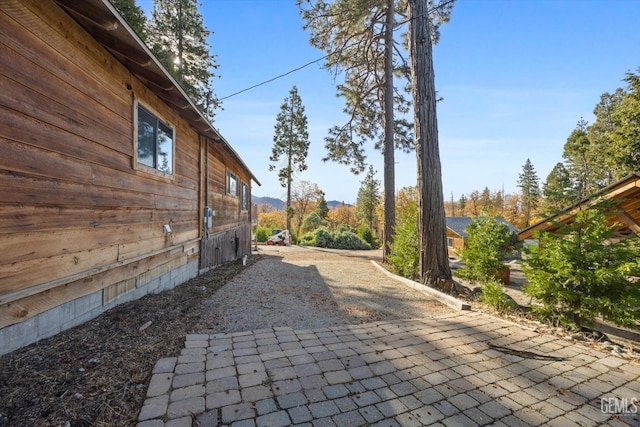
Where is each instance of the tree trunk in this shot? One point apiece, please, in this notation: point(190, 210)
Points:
point(389, 155)
point(289, 165)
point(434, 260)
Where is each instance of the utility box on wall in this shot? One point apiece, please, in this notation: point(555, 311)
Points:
point(208, 216)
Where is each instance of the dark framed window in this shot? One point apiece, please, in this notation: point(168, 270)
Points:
point(245, 197)
point(232, 184)
point(450, 242)
point(155, 142)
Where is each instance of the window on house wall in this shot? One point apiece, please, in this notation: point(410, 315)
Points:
point(245, 197)
point(154, 142)
point(450, 242)
point(232, 184)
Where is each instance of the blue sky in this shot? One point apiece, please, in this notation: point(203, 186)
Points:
point(515, 75)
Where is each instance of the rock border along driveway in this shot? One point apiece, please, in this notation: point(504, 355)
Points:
point(465, 368)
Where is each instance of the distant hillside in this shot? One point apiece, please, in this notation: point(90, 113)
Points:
point(276, 203)
point(332, 204)
point(280, 204)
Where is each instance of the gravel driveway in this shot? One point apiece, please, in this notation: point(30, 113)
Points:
point(305, 287)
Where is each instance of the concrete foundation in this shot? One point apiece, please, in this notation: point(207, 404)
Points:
point(80, 310)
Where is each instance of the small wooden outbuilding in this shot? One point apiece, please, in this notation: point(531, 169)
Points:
point(457, 232)
point(624, 195)
point(112, 183)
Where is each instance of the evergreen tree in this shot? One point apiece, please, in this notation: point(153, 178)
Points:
point(579, 158)
point(290, 144)
point(134, 15)
point(627, 117)
point(358, 36)
point(322, 209)
point(462, 204)
point(529, 185)
point(557, 190)
point(404, 258)
point(610, 165)
point(488, 241)
point(432, 234)
point(368, 199)
point(178, 38)
point(583, 271)
point(486, 201)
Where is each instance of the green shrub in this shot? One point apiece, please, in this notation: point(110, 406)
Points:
point(308, 239)
point(343, 227)
point(583, 271)
point(323, 238)
point(364, 232)
point(349, 240)
point(311, 222)
point(488, 241)
point(494, 295)
point(262, 233)
point(404, 251)
point(338, 240)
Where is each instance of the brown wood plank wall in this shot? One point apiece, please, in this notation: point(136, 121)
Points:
point(71, 202)
point(220, 248)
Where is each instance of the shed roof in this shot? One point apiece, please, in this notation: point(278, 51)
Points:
point(626, 193)
point(105, 24)
point(459, 224)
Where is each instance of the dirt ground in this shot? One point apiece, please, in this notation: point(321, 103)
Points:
point(97, 373)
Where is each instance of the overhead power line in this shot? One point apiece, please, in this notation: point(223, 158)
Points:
point(399, 24)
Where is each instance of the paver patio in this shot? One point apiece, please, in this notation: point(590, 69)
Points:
point(465, 368)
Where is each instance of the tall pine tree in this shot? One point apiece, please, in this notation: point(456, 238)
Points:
point(368, 199)
point(290, 144)
point(529, 185)
point(134, 15)
point(432, 236)
point(358, 36)
point(579, 156)
point(178, 38)
point(557, 190)
point(627, 134)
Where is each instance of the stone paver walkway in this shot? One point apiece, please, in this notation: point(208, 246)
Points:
point(461, 369)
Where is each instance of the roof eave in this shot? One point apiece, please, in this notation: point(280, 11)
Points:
point(105, 24)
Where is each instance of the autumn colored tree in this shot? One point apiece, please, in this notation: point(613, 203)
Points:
point(275, 219)
point(343, 215)
point(304, 200)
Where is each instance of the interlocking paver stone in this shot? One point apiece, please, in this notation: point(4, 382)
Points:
point(300, 414)
point(323, 409)
point(181, 408)
point(274, 419)
point(291, 400)
point(237, 412)
point(159, 384)
point(387, 373)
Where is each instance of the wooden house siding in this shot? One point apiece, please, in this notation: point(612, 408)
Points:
point(457, 241)
point(78, 217)
point(229, 236)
